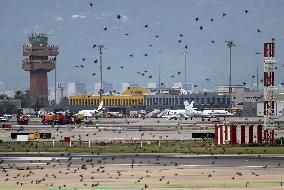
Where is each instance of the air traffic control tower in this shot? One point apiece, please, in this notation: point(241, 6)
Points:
point(41, 58)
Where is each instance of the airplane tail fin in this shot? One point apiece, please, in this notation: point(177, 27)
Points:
point(100, 106)
point(188, 106)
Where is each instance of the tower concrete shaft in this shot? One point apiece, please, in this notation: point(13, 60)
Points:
point(41, 58)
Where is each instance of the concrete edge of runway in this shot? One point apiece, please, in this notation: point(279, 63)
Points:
point(131, 154)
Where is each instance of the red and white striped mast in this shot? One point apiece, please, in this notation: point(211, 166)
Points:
point(269, 85)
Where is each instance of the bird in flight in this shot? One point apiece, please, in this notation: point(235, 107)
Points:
point(246, 11)
point(83, 59)
point(108, 68)
point(196, 19)
point(211, 19)
point(258, 30)
point(91, 4)
point(146, 26)
point(105, 29)
point(201, 27)
point(224, 14)
point(118, 16)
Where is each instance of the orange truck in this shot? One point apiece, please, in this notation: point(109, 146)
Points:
point(60, 119)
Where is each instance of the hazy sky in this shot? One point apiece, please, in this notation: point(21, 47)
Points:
point(75, 26)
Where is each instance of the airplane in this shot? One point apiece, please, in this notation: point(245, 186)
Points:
point(93, 113)
point(174, 114)
point(190, 112)
point(206, 113)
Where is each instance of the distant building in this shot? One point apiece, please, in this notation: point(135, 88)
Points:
point(126, 85)
point(156, 85)
point(174, 100)
point(241, 94)
point(185, 86)
point(76, 88)
point(131, 99)
point(60, 91)
point(107, 87)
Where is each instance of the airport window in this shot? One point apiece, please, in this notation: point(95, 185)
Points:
point(218, 100)
point(196, 100)
point(208, 100)
point(223, 100)
point(160, 101)
point(181, 101)
point(176, 103)
point(228, 100)
point(202, 100)
point(213, 100)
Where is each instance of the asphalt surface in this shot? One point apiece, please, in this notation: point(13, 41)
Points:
point(126, 129)
point(76, 159)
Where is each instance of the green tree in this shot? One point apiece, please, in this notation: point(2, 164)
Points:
point(7, 107)
point(24, 97)
point(39, 103)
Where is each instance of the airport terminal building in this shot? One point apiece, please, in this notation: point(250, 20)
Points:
point(137, 98)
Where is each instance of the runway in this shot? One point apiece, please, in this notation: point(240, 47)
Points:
point(50, 171)
point(145, 159)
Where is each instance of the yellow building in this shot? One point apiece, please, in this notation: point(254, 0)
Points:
point(133, 96)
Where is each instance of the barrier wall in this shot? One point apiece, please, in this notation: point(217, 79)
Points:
point(242, 134)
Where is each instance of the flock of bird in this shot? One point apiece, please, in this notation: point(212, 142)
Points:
point(179, 40)
point(94, 171)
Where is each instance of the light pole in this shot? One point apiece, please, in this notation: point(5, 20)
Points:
point(230, 44)
point(160, 52)
point(257, 74)
point(99, 46)
point(55, 86)
point(185, 53)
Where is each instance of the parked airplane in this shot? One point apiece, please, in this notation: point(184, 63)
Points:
point(190, 112)
point(174, 114)
point(206, 113)
point(93, 113)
